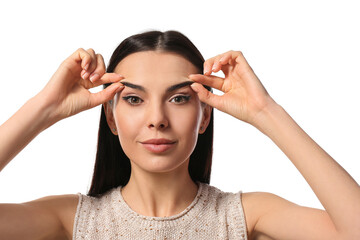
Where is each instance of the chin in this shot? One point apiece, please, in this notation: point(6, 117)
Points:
point(162, 165)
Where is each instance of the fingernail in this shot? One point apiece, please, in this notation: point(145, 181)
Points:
point(93, 76)
point(85, 75)
point(206, 70)
point(86, 66)
point(193, 85)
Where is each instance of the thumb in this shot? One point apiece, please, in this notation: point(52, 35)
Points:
point(206, 96)
point(105, 95)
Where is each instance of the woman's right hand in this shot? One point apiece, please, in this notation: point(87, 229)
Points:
point(67, 93)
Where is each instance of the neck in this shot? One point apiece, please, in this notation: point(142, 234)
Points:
point(159, 194)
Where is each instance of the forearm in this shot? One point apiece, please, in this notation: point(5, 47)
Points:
point(21, 128)
point(334, 187)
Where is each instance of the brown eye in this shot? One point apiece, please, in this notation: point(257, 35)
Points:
point(180, 99)
point(133, 100)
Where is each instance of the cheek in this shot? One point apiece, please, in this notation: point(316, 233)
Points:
point(186, 121)
point(127, 123)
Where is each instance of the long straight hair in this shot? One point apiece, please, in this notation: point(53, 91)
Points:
point(112, 166)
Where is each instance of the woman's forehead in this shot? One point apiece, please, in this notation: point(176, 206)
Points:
point(155, 64)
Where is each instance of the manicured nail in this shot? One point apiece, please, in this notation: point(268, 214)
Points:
point(93, 76)
point(86, 75)
point(194, 87)
point(87, 66)
point(206, 70)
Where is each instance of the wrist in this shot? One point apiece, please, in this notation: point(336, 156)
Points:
point(44, 111)
point(267, 118)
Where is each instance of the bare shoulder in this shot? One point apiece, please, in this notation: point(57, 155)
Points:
point(62, 206)
point(49, 217)
point(269, 216)
point(257, 204)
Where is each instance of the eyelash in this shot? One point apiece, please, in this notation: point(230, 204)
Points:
point(129, 99)
point(185, 98)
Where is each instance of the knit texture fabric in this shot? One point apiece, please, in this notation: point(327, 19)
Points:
point(212, 215)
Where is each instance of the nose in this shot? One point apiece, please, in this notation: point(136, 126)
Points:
point(157, 117)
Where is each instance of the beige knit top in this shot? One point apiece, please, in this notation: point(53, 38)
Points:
point(212, 215)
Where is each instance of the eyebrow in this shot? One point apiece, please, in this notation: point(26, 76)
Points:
point(169, 89)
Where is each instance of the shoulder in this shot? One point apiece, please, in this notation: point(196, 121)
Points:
point(258, 204)
point(225, 209)
point(45, 218)
point(214, 193)
point(222, 198)
point(224, 203)
point(267, 213)
point(61, 207)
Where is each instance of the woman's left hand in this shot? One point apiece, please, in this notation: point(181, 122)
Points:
point(244, 96)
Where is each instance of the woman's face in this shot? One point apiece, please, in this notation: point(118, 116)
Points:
point(157, 115)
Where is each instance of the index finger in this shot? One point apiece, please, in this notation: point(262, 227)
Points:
point(109, 78)
point(211, 81)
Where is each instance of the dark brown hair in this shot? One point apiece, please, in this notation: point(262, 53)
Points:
point(112, 166)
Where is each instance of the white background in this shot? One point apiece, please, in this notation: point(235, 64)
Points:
point(306, 53)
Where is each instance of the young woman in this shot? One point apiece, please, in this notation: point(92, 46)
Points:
point(154, 152)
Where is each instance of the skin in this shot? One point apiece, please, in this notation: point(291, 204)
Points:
point(267, 215)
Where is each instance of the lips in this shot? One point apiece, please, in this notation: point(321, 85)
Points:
point(158, 145)
point(158, 141)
